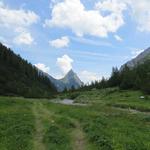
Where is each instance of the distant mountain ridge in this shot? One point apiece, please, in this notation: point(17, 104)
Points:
point(71, 80)
point(141, 58)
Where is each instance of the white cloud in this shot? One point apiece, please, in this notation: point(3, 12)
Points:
point(42, 67)
point(87, 76)
point(111, 6)
point(18, 21)
point(60, 43)
point(141, 14)
point(106, 17)
point(139, 10)
point(65, 63)
point(118, 38)
point(16, 18)
point(24, 38)
point(53, 2)
point(72, 14)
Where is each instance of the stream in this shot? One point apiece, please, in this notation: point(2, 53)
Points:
point(68, 102)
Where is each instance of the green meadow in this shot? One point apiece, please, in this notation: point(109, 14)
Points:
point(111, 120)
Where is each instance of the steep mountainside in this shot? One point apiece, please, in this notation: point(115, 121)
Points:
point(20, 78)
point(141, 58)
point(71, 80)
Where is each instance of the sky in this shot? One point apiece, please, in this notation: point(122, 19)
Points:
point(88, 36)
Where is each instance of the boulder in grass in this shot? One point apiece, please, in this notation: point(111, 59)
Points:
point(142, 97)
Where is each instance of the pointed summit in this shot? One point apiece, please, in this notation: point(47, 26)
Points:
point(72, 80)
point(71, 72)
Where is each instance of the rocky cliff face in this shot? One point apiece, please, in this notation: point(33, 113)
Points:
point(138, 60)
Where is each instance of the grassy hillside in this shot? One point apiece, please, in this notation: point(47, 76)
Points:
point(114, 97)
point(104, 124)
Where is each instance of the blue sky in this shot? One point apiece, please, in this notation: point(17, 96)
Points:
point(89, 36)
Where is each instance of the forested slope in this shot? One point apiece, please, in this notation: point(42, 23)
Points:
point(20, 78)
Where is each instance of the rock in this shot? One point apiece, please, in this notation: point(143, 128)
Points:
point(142, 97)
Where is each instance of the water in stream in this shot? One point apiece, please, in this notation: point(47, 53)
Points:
point(68, 102)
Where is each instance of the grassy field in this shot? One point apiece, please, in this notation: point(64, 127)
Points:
point(106, 123)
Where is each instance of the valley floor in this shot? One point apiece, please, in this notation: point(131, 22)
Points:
point(113, 120)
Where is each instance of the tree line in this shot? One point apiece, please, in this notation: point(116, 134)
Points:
point(137, 78)
point(20, 78)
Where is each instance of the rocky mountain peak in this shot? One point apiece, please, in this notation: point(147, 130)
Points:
point(141, 58)
point(70, 80)
point(70, 74)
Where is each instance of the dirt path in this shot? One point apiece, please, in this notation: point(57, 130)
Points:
point(133, 111)
point(38, 137)
point(79, 141)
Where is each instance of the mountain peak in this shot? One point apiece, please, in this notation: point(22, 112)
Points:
point(70, 73)
point(141, 58)
point(70, 80)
